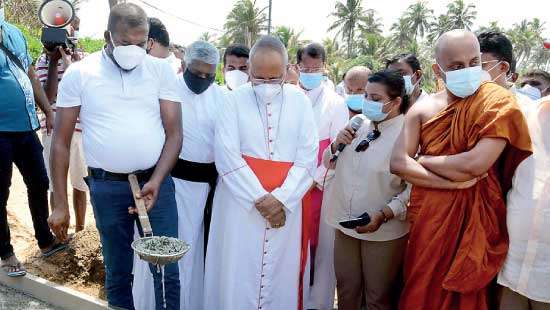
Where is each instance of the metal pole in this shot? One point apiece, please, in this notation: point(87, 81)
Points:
point(269, 20)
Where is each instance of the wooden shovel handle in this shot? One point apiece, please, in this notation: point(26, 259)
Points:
point(140, 205)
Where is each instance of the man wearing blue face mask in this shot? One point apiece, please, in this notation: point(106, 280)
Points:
point(535, 84)
point(355, 85)
point(471, 138)
point(409, 67)
point(331, 115)
point(131, 124)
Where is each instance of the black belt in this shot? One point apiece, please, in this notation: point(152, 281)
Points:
point(195, 172)
point(200, 173)
point(98, 173)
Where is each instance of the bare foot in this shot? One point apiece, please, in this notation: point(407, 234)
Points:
point(12, 267)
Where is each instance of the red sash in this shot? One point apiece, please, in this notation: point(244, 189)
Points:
point(272, 175)
point(315, 213)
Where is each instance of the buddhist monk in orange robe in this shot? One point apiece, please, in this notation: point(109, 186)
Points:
point(469, 138)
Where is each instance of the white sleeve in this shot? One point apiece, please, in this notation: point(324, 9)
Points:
point(70, 88)
point(168, 83)
point(339, 120)
point(299, 178)
point(233, 169)
point(399, 203)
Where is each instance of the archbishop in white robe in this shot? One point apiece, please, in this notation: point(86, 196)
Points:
point(250, 265)
point(199, 114)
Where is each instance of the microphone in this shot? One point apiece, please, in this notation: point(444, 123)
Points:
point(355, 123)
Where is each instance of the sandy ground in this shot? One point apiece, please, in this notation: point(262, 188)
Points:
point(14, 300)
point(61, 267)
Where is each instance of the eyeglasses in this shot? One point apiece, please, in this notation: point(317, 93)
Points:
point(364, 145)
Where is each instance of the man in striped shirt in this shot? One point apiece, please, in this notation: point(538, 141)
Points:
point(50, 67)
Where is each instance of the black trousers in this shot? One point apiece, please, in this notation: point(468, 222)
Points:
point(25, 151)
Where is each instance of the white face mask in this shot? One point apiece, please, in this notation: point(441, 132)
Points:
point(128, 57)
point(267, 92)
point(235, 78)
point(76, 34)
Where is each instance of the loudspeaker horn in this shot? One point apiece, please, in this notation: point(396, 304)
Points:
point(56, 13)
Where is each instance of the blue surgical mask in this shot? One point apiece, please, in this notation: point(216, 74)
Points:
point(464, 82)
point(311, 80)
point(409, 86)
point(532, 92)
point(373, 110)
point(355, 102)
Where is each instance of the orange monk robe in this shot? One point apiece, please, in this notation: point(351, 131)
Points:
point(458, 238)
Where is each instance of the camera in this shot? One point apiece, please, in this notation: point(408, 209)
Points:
point(56, 16)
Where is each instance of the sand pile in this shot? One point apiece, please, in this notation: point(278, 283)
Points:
point(80, 266)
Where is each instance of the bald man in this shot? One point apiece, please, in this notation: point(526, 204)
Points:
point(266, 153)
point(355, 85)
point(471, 138)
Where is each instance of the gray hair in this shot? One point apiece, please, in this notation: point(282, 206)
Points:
point(270, 43)
point(203, 51)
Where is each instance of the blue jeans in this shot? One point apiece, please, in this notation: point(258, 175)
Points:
point(110, 201)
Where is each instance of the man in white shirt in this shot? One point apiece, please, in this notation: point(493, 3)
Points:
point(525, 276)
point(126, 128)
point(235, 66)
point(194, 175)
point(331, 115)
point(158, 44)
point(265, 154)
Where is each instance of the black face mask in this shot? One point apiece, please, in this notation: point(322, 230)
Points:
point(196, 83)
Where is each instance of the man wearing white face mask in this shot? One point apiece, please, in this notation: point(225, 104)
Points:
point(473, 134)
point(265, 154)
point(497, 59)
point(331, 116)
point(131, 124)
point(235, 66)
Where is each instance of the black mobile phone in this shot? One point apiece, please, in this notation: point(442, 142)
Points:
point(362, 220)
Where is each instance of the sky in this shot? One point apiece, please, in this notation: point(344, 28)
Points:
point(309, 16)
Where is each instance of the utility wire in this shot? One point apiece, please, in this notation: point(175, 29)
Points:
point(178, 17)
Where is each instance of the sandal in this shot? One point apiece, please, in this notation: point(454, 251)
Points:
point(17, 270)
point(58, 247)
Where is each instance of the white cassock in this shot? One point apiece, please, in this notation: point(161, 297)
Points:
point(248, 264)
point(331, 115)
point(199, 114)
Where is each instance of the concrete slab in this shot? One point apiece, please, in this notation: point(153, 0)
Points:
point(52, 293)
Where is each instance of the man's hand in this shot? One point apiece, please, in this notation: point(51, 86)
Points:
point(345, 136)
point(149, 193)
point(49, 121)
point(376, 221)
point(470, 183)
point(67, 57)
point(272, 210)
point(59, 222)
point(55, 55)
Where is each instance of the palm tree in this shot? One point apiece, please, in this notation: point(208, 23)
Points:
point(208, 37)
point(461, 16)
point(418, 17)
point(291, 40)
point(493, 26)
point(526, 37)
point(349, 17)
point(371, 23)
point(442, 25)
point(245, 22)
point(401, 33)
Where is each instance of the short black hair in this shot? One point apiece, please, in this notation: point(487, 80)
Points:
point(158, 32)
point(537, 73)
point(237, 50)
point(128, 14)
point(313, 50)
point(409, 58)
point(497, 44)
point(395, 86)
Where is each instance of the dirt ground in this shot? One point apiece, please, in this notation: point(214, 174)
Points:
point(80, 267)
